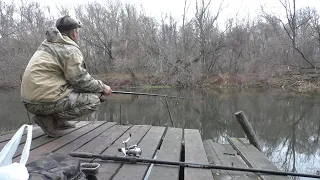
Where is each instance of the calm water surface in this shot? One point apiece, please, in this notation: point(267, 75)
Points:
point(287, 125)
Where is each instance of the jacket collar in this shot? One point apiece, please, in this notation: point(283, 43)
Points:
point(54, 36)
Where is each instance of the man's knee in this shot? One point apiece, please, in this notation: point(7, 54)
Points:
point(72, 106)
point(39, 109)
point(81, 104)
point(90, 100)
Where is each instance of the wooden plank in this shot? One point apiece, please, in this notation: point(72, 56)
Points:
point(149, 145)
point(209, 151)
point(104, 140)
point(254, 158)
point(109, 169)
point(36, 132)
point(7, 136)
point(225, 155)
point(194, 152)
point(86, 139)
point(170, 150)
point(64, 140)
point(107, 138)
point(45, 139)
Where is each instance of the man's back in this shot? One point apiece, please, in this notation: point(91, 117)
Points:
point(44, 79)
point(56, 87)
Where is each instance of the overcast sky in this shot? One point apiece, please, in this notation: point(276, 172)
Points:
point(157, 8)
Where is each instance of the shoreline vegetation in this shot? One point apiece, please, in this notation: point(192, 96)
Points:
point(125, 46)
point(298, 83)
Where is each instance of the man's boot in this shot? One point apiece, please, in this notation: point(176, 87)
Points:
point(47, 124)
point(64, 124)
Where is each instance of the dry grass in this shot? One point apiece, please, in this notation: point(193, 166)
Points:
point(297, 83)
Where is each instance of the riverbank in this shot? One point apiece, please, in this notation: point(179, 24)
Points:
point(299, 83)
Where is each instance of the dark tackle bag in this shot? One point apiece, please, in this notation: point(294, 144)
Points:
point(55, 166)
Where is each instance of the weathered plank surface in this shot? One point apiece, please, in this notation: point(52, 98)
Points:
point(225, 155)
point(8, 136)
point(170, 150)
point(194, 152)
point(87, 138)
point(254, 158)
point(104, 140)
point(38, 142)
point(36, 132)
point(149, 145)
point(64, 140)
point(156, 142)
point(109, 169)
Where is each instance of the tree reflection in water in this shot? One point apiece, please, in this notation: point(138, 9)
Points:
point(287, 125)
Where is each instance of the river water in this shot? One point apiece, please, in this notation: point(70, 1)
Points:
point(287, 125)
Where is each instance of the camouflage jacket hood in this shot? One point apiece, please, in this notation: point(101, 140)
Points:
point(54, 36)
point(55, 70)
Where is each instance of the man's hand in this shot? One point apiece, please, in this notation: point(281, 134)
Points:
point(107, 90)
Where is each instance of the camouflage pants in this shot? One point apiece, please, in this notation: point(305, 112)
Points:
point(70, 107)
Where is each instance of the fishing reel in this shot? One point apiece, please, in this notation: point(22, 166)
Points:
point(132, 150)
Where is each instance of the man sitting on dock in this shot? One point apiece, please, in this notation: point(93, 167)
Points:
point(56, 86)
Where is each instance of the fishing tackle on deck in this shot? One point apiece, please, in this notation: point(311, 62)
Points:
point(187, 164)
point(132, 150)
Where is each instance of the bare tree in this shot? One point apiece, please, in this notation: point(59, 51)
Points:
point(292, 26)
point(315, 26)
point(122, 38)
point(100, 32)
point(204, 22)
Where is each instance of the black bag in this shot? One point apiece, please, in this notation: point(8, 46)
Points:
point(55, 166)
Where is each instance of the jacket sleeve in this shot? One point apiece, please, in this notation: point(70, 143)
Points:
point(78, 77)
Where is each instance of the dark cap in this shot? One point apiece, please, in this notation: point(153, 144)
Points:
point(66, 23)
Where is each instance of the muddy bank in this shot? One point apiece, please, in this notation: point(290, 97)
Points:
point(299, 83)
point(302, 83)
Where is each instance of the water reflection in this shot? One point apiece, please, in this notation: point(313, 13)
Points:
point(287, 125)
point(12, 112)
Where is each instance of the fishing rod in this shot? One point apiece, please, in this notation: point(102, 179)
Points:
point(148, 94)
point(186, 164)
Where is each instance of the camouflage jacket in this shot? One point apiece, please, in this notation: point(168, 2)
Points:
point(55, 70)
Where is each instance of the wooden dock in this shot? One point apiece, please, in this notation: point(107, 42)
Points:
point(161, 143)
